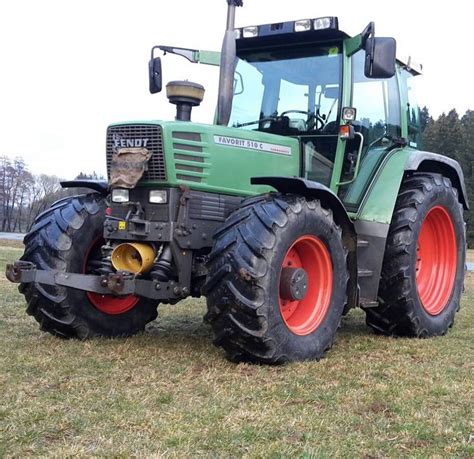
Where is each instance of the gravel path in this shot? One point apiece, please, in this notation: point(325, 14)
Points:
point(12, 236)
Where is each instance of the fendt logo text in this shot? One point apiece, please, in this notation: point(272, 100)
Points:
point(120, 142)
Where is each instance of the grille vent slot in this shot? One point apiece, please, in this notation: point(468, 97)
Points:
point(139, 132)
point(188, 156)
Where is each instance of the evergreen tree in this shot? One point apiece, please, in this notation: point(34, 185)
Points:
point(454, 137)
point(466, 159)
point(425, 118)
point(444, 135)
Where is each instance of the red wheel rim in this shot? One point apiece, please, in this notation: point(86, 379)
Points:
point(436, 260)
point(107, 304)
point(304, 316)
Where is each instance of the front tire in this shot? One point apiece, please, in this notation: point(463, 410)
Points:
point(423, 269)
point(277, 281)
point(67, 237)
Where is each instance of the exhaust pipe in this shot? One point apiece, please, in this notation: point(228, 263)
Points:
point(134, 257)
point(227, 66)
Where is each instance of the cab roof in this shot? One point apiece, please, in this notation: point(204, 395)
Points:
point(291, 32)
point(301, 32)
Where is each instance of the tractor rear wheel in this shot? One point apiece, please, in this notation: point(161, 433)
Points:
point(277, 281)
point(423, 269)
point(67, 237)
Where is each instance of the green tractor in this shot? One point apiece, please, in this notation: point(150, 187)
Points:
point(307, 197)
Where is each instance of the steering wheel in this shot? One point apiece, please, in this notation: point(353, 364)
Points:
point(302, 112)
point(313, 119)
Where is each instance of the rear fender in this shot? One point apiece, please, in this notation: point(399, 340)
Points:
point(423, 161)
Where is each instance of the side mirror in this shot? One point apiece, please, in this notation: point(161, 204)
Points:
point(380, 56)
point(154, 75)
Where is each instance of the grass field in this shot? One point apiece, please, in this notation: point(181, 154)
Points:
point(170, 392)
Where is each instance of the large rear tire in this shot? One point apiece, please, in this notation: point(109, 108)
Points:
point(277, 281)
point(67, 237)
point(423, 269)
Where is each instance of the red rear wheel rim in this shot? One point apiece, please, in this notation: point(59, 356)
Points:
point(436, 260)
point(108, 304)
point(304, 316)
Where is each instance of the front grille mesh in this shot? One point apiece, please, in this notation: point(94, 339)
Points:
point(156, 165)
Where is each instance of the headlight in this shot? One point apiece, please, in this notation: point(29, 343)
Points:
point(120, 195)
point(303, 25)
point(322, 23)
point(158, 197)
point(250, 32)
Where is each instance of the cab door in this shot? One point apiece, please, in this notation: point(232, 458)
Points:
point(377, 126)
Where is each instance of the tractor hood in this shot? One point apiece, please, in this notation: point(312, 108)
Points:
point(206, 157)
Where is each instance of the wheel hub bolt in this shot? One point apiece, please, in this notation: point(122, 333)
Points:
point(293, 284)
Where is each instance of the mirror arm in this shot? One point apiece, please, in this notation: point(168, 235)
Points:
point(187, 53)
point(368, 32)
point(358, 42)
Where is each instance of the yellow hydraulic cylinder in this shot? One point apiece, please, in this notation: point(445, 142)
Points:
point(134, 257)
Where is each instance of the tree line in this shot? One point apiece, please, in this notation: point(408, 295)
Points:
point(23, 195)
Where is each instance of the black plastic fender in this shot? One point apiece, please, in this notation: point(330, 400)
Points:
point(310, 189)
point(101, 186)
point(424, 161)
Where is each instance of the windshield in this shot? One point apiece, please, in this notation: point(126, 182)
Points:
point(288, 95)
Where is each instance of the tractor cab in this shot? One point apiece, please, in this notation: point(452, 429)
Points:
point(337, 95)
point(293, 91)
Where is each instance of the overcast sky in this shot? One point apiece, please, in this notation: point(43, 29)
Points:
point(69, 68)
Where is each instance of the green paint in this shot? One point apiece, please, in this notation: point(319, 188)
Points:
point(353, 45)
point(369, 165)
point(345, 102)
point(382, 193)
point(208, 57)
point(225, 169)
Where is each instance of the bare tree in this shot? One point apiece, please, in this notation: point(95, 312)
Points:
point(24, 196)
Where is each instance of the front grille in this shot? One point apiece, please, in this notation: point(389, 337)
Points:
point(134, 135)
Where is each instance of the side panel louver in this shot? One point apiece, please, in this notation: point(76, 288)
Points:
point(189, 157)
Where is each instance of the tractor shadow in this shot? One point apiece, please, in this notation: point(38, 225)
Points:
point(182, 329)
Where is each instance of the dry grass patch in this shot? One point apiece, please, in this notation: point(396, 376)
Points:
point(170, 392)
point(7, 243)
point(470, 256)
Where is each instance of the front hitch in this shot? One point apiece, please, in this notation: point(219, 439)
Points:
point(120, 283)
point(19, 270)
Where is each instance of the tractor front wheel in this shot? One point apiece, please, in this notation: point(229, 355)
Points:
point(424, 263)
point(67, 237)
point(276, 287)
